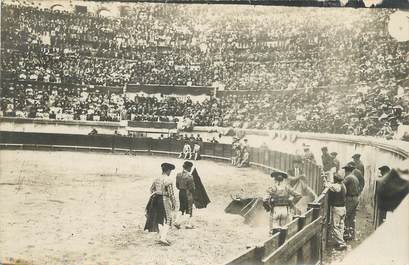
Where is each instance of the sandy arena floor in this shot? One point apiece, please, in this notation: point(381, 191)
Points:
point(88, 208)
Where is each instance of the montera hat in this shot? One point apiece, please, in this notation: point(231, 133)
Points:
point(187, 164)
point(384, 168)
point(279, 173)
point(167, 166)
point(356, 156)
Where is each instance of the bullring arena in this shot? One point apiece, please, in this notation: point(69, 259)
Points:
point(89, 208)
point(296, 120)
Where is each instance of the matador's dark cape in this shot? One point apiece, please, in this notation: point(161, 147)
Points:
point(200, 198)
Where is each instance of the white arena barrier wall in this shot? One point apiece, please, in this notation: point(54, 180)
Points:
point(375, 152)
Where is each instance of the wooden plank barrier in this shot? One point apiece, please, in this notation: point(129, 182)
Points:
point(292, 228)
point(271, 244)
point(292, 245)
point(249, 257)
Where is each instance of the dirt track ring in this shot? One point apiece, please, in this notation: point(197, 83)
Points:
point(88, 208)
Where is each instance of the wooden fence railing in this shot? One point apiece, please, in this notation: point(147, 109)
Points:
point(299, 242)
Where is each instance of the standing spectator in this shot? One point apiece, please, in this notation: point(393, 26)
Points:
point(352, 200)
point(245, 144)
point(296, 172)
point(336, 200)
point(199, 138)
point(327, 162)
point(236, 152)
point(359, 165)
point(384, 170)
point(359, 170)
point(245, 158)
point(308, 155)
point(196, 151)
point(335, 161)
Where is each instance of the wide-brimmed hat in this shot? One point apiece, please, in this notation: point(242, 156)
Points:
point(384, 168)
point(167, 166)
point(350, 165)
point(334, 153)
point(279, 173)
point(187, 164)
point(356, 156)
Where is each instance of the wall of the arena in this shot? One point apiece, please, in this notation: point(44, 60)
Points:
point(136, 128)
point(59, 126)
point(375, 152)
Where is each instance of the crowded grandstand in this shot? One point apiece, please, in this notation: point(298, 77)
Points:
point(336, 72)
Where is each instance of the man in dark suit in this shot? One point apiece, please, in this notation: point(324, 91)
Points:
point(336, 161)
point(359, 170)
point(357, 160)
point(336, 200)
point(297, 172)
point(381, 213)
point(327, 161)
point(352, 200)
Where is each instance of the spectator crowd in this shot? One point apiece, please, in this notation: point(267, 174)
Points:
point(343, 66)
point(240, 48)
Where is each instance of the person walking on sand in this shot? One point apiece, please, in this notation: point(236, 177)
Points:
point(161, 204)
point(186, 186)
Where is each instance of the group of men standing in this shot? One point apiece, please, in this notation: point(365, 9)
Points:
point(161, 212)
point(191, 147)
point(344, 193)
point(240, 153)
